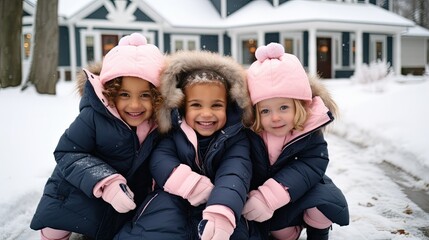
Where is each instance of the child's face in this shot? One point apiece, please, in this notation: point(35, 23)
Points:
point(205, 107)
point(277, 115)
point(134, 101)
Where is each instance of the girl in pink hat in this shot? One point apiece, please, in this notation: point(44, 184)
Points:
point(289, 189)
point(101, 157)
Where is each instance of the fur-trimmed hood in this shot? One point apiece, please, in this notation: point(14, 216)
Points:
point(318, 89)
point(184, 62)
point(81, 77)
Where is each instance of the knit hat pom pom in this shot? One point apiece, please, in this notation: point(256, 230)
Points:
point(271, 51)
point(135, 39)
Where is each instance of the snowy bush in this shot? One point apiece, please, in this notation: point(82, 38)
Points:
point(375, 75)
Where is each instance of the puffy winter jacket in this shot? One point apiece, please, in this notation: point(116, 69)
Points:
point(301, 168)
point(95, 146)
point(227, 162)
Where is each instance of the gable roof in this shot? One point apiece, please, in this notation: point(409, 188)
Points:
point(329, 14)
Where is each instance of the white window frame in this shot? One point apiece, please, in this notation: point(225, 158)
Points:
point(150, 36)
point(297, 42)
point(185, 39)
point(373, 39)
point(242, 38)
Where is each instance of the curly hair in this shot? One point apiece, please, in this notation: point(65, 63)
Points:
point(112, 87)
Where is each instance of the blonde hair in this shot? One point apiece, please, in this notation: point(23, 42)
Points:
point(301, 116)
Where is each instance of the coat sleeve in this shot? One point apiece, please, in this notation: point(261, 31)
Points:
point(232, 178)
point(306, 168)
point(74, 154)
point(163, 160)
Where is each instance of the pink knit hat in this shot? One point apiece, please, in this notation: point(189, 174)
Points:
point(277, 74)
point(133, 57)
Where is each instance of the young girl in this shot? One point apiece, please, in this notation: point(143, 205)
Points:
point(202, 167)
point(290, 154)
point(101, 156)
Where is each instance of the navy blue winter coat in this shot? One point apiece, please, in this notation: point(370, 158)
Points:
point(95, 146)
point(300, 167)
point(227, 160)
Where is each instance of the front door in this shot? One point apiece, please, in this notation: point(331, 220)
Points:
point(324, 57)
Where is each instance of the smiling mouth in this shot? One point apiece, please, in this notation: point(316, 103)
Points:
point(206, 124)
point(134, 114)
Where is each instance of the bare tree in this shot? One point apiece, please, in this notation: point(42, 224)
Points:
point(44, 64)
point(415, 10)
point(10, 43)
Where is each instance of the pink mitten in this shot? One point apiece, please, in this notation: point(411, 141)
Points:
point(115, 191)
point(263, 202)
point(217, 225)
point(189, 185)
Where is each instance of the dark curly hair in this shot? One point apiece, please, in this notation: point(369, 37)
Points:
point(112, 87)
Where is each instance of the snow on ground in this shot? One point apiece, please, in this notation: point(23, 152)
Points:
point(374, 128)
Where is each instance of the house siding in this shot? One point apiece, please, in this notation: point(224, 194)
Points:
point(365, 43)
point(232, 6)
point(389, 54)
point(272, 37)
point(226, 45)
point(64, 51)
point(142, 17)
point(100, 13)
point(345, 40)
point(209, 43)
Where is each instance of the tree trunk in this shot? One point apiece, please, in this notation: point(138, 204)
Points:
point(10, 43)
point(44, 64)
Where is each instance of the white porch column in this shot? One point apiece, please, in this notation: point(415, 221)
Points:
point(358, 50)
point(261, 38)
point(234, 50)
point(312, 52)
point(161, 40)
point(220, 44)
point(397, 66)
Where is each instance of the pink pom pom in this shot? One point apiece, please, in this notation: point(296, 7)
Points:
point(135, 39)
point(271, 51)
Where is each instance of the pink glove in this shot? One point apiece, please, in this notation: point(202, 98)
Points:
point(263, 202)
point(115, 191)
point(215, 225)
point(189, 185)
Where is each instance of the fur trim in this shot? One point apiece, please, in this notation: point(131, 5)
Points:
point(318, 89)
point(185, 62)
point(82, 78)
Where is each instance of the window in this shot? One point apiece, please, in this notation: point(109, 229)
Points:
point(288, 45)
point(89, 40)
point(377, 48)
point(182, 42)
point(108, 42)
point(292, 43)
point(27, 45)
point(248, 49)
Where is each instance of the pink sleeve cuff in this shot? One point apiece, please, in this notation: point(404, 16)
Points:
point(98, 188)
point(182, 181)
point(220, 209)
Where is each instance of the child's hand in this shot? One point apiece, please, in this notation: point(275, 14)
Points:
point(214, 226)
point(263, 202)
point(189, 185)
point(119, 196)
point(256, 208)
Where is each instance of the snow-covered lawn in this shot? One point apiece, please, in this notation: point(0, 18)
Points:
point(388, 126)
